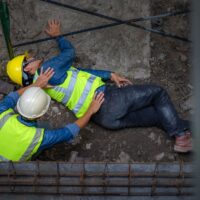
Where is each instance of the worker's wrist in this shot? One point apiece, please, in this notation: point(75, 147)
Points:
point(35, 84)
point(112, 76)
point(90, 112)
point(57, 36)
point(109, 75)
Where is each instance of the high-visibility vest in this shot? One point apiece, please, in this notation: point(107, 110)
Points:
point(77, 91)
point(18, 142)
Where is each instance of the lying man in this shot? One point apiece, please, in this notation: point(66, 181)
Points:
point(126, 105)
point(20, 138)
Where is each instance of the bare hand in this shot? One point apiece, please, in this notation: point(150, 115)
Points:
point(32, 66)
point(43, 79)
point(120, 81)
point(97, 102)
point(53, 28)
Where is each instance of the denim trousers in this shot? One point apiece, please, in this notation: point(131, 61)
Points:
point(139, 106)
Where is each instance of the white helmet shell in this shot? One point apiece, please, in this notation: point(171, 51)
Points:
point(33, 103)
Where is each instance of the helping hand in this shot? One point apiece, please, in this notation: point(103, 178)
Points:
point(53, 28)
point(43, 79)
point(120, 81)
point(97, 102)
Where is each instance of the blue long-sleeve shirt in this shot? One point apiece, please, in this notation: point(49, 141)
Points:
point(51, 137)
point(62, 62)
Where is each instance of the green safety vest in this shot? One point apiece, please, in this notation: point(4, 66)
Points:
point(77, 91)
point(18, 142)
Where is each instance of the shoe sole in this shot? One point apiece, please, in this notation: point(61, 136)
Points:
point(182, 149)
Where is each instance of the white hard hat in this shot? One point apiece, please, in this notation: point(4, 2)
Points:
point(33, 103)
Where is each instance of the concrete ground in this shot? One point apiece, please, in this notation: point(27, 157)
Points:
point(139, 55)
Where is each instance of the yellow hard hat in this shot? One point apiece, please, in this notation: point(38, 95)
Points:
point(14, 69)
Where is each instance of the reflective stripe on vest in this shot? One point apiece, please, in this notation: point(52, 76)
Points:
point(5, 118)
point(77, 90)
point(68, 91)
point(32, 145)
point(84, 94)
point(3, 159)
point(32, 142)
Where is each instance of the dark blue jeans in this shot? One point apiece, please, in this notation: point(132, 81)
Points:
point(139, 106)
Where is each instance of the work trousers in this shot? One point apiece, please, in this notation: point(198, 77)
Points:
point(139, 106)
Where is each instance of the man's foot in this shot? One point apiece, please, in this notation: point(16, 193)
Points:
point(183, 144)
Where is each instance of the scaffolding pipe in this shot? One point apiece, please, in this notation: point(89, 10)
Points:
point(5, 22)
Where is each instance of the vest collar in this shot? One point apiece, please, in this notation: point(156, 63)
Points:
point(27, 122)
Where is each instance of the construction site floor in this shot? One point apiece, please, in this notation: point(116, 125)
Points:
point(139, 55)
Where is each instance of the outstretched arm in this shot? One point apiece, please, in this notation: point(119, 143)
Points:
point(94, 107)
point(64, 60)
point(11, 99)
point(105, 75)
point(70, 131)
point(67, 51)
point(119, 80)
point(41, 81)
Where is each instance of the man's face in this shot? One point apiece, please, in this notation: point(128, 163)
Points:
point(32, 66)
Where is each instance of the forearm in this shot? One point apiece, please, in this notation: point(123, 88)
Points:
point(54, 30)
point(53, 137)
point(23, 89)
point(63, 43)
point(105, 75)
point(83, 121)
point(94, 107)
point(62, 62)
point(42, 80)
point(9, 101)
point(67, 51)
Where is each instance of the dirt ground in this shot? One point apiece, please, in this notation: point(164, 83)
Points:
point(170, 67)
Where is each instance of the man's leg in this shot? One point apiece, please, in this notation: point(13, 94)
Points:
point(119, 102)
point(146, 117)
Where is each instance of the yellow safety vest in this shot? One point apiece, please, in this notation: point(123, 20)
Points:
point(77, 91)
point(18, 142)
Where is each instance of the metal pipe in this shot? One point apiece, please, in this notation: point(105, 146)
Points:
point(116, 23)
point(109, 193)
point(160, 175)
point(162, 33)
point(92, 168)
point(95, 182)
point(136, 179)
point(5, 22)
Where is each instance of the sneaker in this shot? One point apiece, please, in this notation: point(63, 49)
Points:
point(183, 144)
